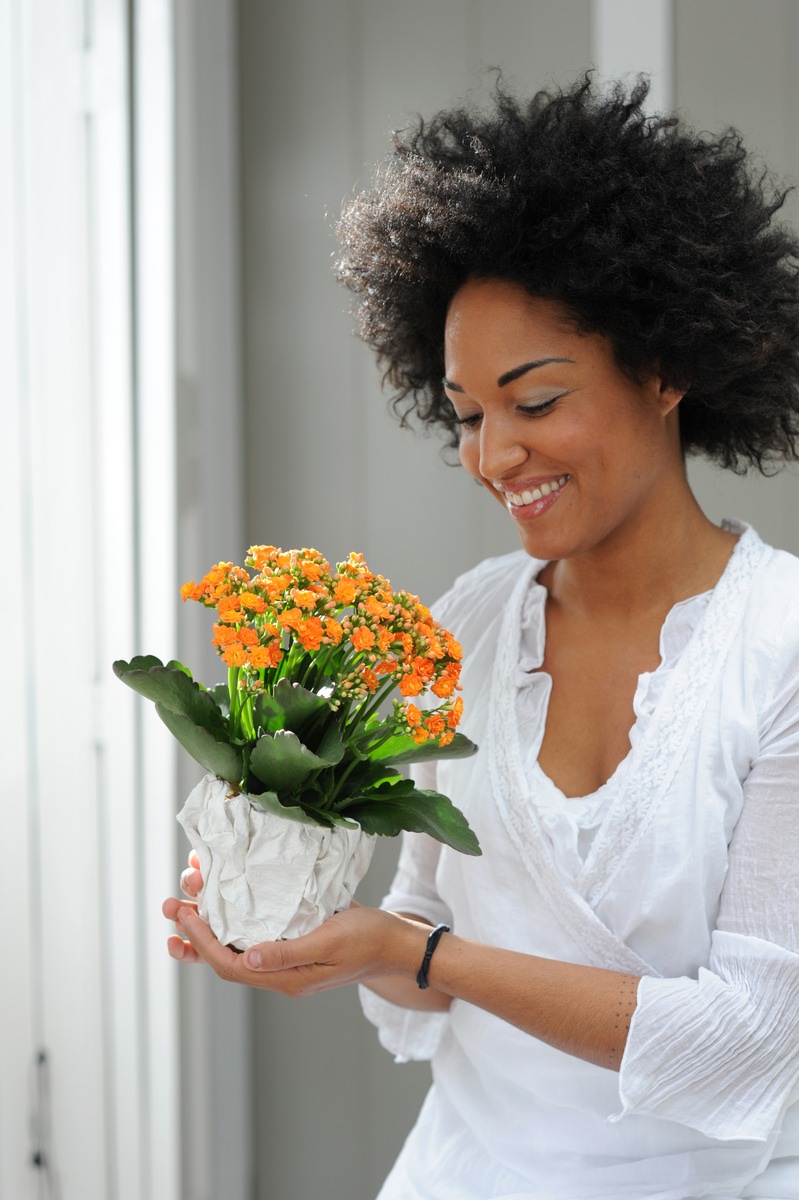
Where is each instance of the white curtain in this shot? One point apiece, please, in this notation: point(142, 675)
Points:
point(88, 1070)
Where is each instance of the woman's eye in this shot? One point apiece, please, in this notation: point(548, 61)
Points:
point(472, 419)
point(532, 410)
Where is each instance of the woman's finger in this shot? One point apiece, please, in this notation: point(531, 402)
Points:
point(226, 962)
point(191, 882)
point(181, 951)
point(171, 907)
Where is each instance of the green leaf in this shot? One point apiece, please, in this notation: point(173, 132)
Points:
point(298, 704)
point(174, 665)
point(403, 749)
point(174, 689)
point(303, 813)
point(418, 811)
point(331, 745)
point(367, 778)
point(218, 757)
point(267, 713)
point(282, 762)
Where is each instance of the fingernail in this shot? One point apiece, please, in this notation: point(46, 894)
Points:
point(254, 959)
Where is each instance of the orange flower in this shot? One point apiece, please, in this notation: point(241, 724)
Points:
point(235, 655)
point(420, 735)
point(413, 716)
point(385, 638)
point(406, 641)
point(411, 685)
point(362, 638)
point(252, 602)
point(435, 724)
point(303, 599)
point(229, 608)
point(424, 667)
point(344, 592)
point(191, 591)
point(248, 636)
point(311, 569)
point(217, 574)
point(455, 713)
point(386, 666)
point(435, 648)
point(290, 618)
point(276, 585)
point(369, 678)
point(265, 656)
point(443, 687)
point(446, 738)
point(453, 648)
point(260, 556)
point(333, 630)
point(310, 632)
point(375, 608)
point(223, 635)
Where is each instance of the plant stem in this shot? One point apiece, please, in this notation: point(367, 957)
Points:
point(363, 713)
point(336, 791)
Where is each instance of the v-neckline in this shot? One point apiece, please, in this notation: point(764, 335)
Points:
point(645, 679)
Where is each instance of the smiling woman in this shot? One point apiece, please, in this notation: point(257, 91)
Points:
point(567, 413)
point(581, 295)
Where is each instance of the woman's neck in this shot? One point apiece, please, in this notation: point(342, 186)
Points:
point(663, 557)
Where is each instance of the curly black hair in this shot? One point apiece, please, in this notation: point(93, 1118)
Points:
point(658, 237)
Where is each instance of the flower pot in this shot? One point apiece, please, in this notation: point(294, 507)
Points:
point(269, 872)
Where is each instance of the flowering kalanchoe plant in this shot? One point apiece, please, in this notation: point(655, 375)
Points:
point(312, 655)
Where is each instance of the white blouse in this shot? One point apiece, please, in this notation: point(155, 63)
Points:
point(683, 868)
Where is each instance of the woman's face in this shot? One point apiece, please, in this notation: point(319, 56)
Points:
point(575, 450)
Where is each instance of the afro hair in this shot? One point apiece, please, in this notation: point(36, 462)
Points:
point(659, 238)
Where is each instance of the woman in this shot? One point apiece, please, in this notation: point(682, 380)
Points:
point(582, 296)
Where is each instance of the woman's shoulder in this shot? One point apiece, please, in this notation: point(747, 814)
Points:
point(774, 602)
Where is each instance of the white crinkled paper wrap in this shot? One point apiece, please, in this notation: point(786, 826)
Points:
point(268, 874)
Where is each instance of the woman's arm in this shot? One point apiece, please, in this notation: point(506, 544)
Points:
point(584, 1011)
point(721, 1053)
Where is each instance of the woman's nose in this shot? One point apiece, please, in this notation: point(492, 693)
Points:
point(501, 451)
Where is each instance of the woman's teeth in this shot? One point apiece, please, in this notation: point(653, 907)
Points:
point(519, 498)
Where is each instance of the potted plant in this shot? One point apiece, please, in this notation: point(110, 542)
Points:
point(304, 743)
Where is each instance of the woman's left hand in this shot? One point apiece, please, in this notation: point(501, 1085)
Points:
point(351, 947)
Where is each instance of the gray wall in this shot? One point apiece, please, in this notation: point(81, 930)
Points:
point(322, 83)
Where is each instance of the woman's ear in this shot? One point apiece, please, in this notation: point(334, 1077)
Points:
point(669, 392)
point(670, 397)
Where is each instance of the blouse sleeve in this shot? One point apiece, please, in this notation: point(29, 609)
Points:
point(407, 1034)
point(721, 1053)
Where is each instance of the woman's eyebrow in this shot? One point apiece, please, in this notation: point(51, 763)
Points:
point(515, 373)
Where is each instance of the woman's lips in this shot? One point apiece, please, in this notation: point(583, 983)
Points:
point(535, 501)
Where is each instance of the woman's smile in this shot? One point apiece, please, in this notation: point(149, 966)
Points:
point(534, 497)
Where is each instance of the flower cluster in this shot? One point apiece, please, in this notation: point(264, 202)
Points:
point(344, 629)
point(313, 657)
